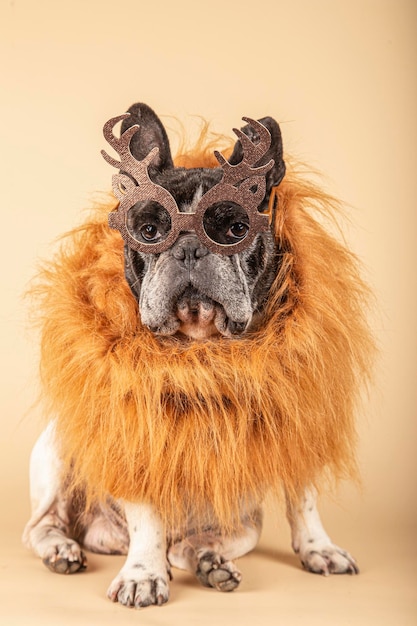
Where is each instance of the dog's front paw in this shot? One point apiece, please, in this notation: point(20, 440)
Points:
point(327, 559)
point(65, 558)
point(134, 589)
point(214, 571)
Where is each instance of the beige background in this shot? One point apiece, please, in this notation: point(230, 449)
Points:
point(340, 76)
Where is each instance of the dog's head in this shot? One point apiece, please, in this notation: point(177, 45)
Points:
point(212, 277)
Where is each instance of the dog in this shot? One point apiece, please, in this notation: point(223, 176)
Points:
point(200, 348)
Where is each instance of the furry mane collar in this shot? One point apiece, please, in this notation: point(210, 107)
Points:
point(210, 426)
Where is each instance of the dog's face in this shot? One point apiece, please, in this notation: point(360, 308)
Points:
point(187, 288)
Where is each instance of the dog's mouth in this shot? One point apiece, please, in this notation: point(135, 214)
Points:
point(199, 317)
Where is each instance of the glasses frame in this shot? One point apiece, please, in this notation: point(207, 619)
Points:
point(241, 184)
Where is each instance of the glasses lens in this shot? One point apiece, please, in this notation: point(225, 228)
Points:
point(226, 223)
point(148, 222)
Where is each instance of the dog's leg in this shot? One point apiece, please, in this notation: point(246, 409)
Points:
point(310, 541)
point(48, 530)
point(209, 555)
point(143, 580)
point(105, 529)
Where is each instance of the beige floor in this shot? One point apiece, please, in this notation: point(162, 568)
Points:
point(274, 589)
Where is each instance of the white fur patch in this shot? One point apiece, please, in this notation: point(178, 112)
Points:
point(191, 208)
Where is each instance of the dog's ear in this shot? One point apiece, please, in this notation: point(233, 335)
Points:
point(151, 133)
point(276, 174)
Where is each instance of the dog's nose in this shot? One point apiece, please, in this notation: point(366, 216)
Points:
point(188, 249)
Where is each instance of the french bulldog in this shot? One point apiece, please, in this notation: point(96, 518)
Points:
point(210, 282)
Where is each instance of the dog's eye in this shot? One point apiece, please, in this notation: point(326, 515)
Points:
point(149, 232)
point(148, 222)
point(226, 223)
point(238, 230)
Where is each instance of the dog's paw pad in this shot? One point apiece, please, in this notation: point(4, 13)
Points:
point(65, 558)
point(214, 571)
point(139, 593)
point(329, 559)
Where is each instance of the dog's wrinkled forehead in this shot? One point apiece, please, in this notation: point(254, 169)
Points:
point(187, 186)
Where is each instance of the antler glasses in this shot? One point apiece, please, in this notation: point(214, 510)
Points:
point(226, 219)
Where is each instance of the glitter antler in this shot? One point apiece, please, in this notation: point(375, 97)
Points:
point(131, 170)
point(252, 154)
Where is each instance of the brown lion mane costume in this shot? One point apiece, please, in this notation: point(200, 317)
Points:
point(211, 426)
